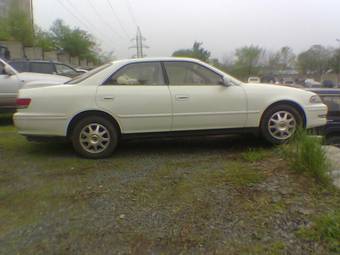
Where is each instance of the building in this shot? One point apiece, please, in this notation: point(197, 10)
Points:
point(24, 5)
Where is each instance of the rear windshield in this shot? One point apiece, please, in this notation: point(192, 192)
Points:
point(87, 75)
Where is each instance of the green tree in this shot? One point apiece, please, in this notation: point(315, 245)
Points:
point(197, 52)
point(316, 60)
point(247, 61)
point(19, 25)
point(76, 42)
point(335, 62)
point(44, 40)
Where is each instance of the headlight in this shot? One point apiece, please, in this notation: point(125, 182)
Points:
point(315, 99)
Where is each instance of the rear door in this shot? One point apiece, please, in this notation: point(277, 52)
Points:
point(138, 97)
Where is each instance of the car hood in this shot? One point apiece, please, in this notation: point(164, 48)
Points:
point(29, 77)
point(273, 90)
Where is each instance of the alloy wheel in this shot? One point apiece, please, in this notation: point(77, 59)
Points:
point(282, 125)
point(94, 138)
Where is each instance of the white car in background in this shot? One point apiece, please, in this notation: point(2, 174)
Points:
point(11, 81)
point(254, 80)
point(161, 97)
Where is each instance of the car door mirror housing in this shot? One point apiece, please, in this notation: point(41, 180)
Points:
point(8, 70)
point(226, 82)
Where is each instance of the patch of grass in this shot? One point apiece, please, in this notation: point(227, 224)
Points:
point(254, 155)
point(306, 155)
point(325, 229)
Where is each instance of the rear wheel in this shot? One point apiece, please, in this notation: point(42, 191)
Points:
point(279, 123)
point(94, 137)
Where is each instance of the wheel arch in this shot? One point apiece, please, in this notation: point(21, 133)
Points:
point(84, 114)
point(294, 104)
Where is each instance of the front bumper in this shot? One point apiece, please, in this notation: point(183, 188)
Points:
point(316, 116)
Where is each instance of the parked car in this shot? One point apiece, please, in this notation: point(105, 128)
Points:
point(254, 80)
point(311, 83)
point(11, 81)
point(161, 97)
point(331, 97)
point(47, 67)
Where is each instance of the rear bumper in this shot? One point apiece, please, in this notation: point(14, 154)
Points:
point(40, 125)
point(316, 116)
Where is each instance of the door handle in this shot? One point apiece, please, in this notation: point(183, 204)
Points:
point(108, 98)
point(182, 97)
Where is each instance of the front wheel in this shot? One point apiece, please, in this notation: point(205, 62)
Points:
point(280, 123)
point(94, 137)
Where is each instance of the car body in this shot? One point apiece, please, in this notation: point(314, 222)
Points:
point(254, 80)
point(331, 131)
point(46, 67)
point(311, 83)
point(11, 81)
point(161, 97)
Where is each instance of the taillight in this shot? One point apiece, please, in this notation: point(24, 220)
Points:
point(23, 103)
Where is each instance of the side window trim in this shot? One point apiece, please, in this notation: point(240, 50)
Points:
point(105, 83)
point(185, 61)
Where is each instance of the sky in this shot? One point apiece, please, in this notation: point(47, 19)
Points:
point(222, 25)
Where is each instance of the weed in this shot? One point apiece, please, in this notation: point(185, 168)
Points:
point(325, 229)
point(306, 155)
point(254, 155)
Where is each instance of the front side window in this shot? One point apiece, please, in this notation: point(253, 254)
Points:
point(138, 74)
point(186, 73)
point(65, 70)
point(42, 68)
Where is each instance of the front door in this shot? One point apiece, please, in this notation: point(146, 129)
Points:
point(138, 97)
point(201, 101)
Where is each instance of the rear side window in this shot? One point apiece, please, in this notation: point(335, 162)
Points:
point(138, 74)
point(20, 66)
point(42, 68)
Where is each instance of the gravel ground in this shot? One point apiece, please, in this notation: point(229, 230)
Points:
point(188, 196)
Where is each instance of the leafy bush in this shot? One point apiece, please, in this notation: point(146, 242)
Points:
point(306, 155)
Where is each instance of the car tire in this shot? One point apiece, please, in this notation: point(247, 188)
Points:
point(333, 140)
point(94, 137)
point(279, 124)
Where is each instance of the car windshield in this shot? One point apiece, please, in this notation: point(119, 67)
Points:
point(87, 75)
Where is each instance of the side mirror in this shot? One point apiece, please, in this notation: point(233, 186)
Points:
point(226, 82)
point(8, 70)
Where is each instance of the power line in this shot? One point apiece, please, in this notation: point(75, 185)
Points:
point(86, 24)
point(118, 19)
point(71, 13)
point(130, 10)
point(103, 20)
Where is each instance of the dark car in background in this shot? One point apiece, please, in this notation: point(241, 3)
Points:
point(46, 67)
point(331, 97)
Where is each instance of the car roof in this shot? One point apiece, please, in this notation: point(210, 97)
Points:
point(33, 60)
point(140, 60)
point(326, 91)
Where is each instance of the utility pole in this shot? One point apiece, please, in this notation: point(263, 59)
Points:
point(139, 44)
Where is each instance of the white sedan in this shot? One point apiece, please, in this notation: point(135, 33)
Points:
point(161, 97)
